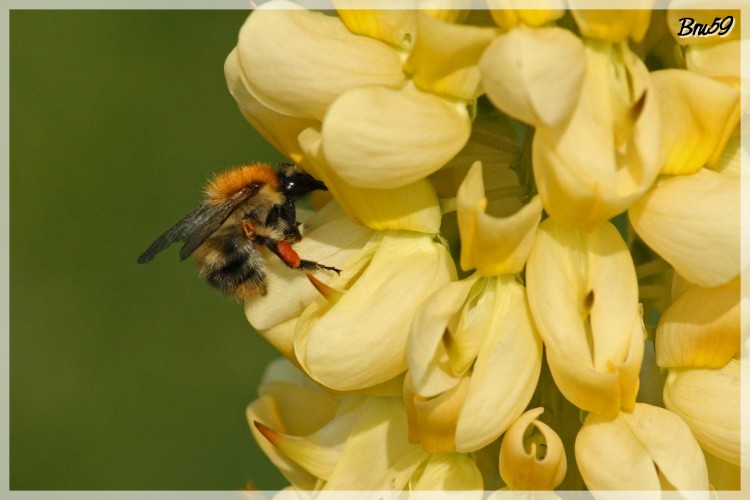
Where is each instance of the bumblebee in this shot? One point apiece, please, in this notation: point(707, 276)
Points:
point(245, 208)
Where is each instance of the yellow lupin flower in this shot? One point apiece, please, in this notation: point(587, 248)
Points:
point(472, 333)
point(584, 298)
point(708, 400)
point(648, 449)
point(693, 222)
point(532, 456)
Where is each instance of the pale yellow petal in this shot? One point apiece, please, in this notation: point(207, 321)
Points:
point(532, 456)
point(445, 57)
point(449, 11)
point(360, 340)
point(510, 13)
point(451, 472)
point(535, 75)
point(319, 452)
point(698, 115)
point(430, 371)
point(618, 115)
point(493, 245)
point(412, 207)
point(648, 449)
point(612, 25)
point(297, 62)
point(709, 401)
point(279, 130)
point(390, 22)
point(505, 372)
point(382, 138)
point(432, 421)
point(376, 444)
point(329, 238)
point(693, 222)
point(701, 329)
point(719, 60)
point(582, 291)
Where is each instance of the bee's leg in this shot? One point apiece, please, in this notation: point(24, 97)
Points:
point(284, 216)
point(290, 257)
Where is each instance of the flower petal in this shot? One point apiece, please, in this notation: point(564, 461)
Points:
point(451, 472)
point(510, 13)
point(650, 449)
point(532, 456)
point(388, 23)
point(375, 445)
point(297, 62)
point(360, 340)
point(279, 130)
point(330, 238)
point(382, 138)
point(701, 329)
point(582, 290)
point(693, 222)
point(612, 25)
point(505, 372)
point(445, 57)
point(412, 207)
point(618, 115)
point(698, 115)
point(720, 60)
point(535, 75)
point(430, 371)
point(709, 401)
point(493, 245)
point(432, 421)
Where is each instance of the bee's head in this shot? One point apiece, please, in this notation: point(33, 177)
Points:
point(295, 183)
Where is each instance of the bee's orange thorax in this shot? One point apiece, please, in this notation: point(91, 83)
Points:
point(224, 185)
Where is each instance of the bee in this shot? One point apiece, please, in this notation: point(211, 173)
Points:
point(246, 208)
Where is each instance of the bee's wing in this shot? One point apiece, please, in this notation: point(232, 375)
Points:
point(197, 226)
point(214, 219)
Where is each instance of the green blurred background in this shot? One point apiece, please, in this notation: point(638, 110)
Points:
point(124, 376)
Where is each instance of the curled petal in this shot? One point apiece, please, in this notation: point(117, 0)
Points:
point(390, 22)
point(709, 401)
point(297, 62)
point(412, 207)
point(330, 238)
point(490, 244)
point(648, 449)
point(612, 25)
point(445, 57)
point(535, 75)
point(582, 291)
point(511, 13)
point(382, 138)
point(532, 456)
point(698, 115)
point(618, 115)
point(693, 222)
point(701, 329)
point(360, 341)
